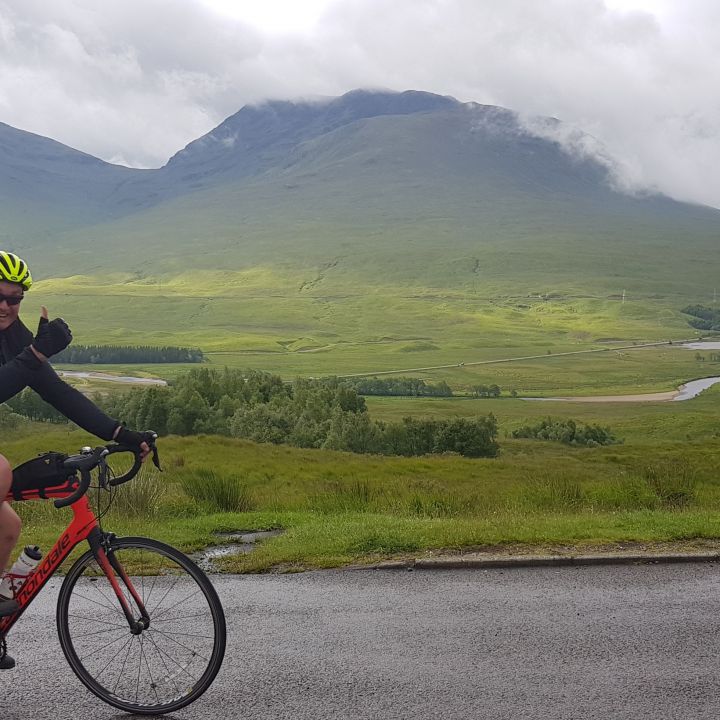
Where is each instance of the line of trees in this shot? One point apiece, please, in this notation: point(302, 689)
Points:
point(124, 354)
point(30, 405)
point(325, 413)
point(402, 386)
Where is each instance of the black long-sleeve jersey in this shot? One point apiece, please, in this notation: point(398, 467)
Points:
point(20, 368)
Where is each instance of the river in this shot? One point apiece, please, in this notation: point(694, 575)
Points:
point(693, 388)
point(82, 375)
point(704, 345)
point(689, 390)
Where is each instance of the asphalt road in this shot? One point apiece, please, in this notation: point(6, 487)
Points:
point(586, 642)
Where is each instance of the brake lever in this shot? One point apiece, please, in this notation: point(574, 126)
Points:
point(156, 458)
point(103, 474)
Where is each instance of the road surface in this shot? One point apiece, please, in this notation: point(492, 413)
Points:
point(567, 643)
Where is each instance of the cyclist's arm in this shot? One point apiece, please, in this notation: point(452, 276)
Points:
point(19, 373)
point(63, 397)
point(72, 403)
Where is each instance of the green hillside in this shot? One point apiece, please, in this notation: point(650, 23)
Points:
point(377, 231)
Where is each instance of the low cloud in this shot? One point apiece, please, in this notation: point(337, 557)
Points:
point(623, 176)
point(142, 78)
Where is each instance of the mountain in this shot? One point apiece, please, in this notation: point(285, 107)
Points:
point(260, 138)
point(405, 189)
point(46, 186)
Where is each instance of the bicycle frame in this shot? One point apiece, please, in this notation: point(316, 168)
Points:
point(84, 526)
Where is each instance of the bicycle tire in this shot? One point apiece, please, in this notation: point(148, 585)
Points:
point(161, 669)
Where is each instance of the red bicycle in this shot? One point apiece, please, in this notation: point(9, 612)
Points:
point(140, 624)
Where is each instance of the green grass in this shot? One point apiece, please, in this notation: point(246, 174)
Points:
point(364, 330)
point(339, 508)
point(644, 424)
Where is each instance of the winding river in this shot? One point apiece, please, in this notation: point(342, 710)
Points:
point(689, 390)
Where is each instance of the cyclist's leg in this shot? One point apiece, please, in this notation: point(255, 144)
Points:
point(10, 523)
point(9, 534)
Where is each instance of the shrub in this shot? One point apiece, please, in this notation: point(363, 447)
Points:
point(568, 432)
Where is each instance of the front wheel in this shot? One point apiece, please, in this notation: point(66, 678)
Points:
point(168, 664)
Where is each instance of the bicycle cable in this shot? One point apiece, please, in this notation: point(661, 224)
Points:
point(103, 485)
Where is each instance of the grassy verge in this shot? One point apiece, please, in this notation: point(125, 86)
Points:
point(339, 508)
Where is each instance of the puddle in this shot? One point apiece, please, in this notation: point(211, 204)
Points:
point(231, 543)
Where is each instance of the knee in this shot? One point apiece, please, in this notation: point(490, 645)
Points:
point(5, 477)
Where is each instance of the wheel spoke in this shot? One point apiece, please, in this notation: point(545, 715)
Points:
point(95, 620)
point(100, 632)
point(178, 643)
point(147, 665)
point(111, 607)
point(167, 592)
point(182, 668)
point(109, 662)
point(169, 675)
point(165, 611)
point(102, 647)
point(191, 635)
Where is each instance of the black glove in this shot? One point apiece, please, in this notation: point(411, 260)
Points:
point(52, 337)
point(132, 438)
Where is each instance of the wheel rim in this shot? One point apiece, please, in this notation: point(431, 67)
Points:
point(166, 665)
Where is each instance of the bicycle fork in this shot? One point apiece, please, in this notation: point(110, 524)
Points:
point(101, 544)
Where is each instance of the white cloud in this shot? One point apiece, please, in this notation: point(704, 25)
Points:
point(138, 79)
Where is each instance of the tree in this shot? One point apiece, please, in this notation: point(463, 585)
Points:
point(474, 437)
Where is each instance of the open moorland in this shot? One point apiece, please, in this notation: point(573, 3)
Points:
point(387, 233)
point(659, 485)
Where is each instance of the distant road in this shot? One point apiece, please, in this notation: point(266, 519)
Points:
point(517, 359)
point(582, 643)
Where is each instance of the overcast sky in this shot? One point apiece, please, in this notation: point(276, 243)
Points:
point(133, 81)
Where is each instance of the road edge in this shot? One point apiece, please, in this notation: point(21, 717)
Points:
point(459, 562)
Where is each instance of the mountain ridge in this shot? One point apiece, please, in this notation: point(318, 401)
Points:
point(406, 187)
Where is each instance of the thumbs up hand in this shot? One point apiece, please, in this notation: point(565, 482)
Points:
point(52, 336)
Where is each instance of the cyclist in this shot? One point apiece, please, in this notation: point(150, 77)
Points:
point(23, 363)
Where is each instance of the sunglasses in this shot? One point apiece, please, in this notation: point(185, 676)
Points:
point(11, 299)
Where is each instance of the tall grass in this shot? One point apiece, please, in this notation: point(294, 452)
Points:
point(216, 491)
point(674, 483)
point(551, 490)
point(355, 496)
point(141, 497)
point(338, 507)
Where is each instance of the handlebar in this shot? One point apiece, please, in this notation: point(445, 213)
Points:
point(89, 459)
point(83, 463)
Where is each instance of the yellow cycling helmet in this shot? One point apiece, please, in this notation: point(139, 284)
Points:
point(15, 270)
